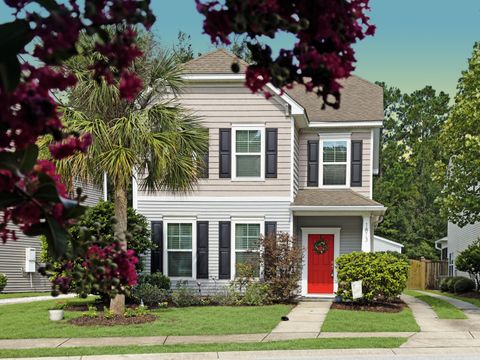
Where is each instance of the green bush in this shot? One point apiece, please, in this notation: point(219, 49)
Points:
point(451, 283)
point(151, 295)
point(228, 296)
point(469, 261)
point(464, 285)
point(3, 281)
point(444, 284)
point(156, 279)
point(383, 275)
point(184, 296)
point(256, 294)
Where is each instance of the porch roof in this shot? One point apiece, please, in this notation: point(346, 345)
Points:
point(334, 200)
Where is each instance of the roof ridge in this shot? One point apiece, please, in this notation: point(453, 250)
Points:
point(225, 51)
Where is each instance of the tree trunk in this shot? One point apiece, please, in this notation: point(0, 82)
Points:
point(117, 304)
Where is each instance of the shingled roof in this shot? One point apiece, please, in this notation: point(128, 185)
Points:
point(360, 99)
point(343, 197)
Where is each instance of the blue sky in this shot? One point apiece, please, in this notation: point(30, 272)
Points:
point(418, 42)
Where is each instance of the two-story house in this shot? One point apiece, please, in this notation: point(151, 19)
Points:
point(281, 164)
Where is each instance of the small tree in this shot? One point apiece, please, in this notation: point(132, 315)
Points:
point(281, 259)
point(469, 261)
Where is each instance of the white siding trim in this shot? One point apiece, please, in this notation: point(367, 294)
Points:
point(292, 158)
point(184, 198)
point(371, 164)
point(336, 253)
point(105, 187)
point(346, 124)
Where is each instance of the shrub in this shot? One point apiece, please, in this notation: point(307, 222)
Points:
point(451, 283)
point(444, 284)
point(244, 275)
point(3, 281)
point(228, 296)
point(92, 312)
point(256, 294)
point(138, 311)
point(156, 279)
point(151, 295)
point(184, 296)
point(469, 261)
point(464, 285)
point(281, 258)
point(383, 275)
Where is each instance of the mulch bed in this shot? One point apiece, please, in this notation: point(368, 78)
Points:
point(116, 320)
point(471, 294)
point(394, 307)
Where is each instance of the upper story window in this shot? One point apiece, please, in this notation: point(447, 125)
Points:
point(334, 162)
point(248, 154)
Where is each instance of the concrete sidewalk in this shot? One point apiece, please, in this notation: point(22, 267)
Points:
point(34, 298)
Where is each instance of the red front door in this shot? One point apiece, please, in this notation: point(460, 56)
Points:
point(320, 264)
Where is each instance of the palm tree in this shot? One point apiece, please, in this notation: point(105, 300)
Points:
point(151, 137)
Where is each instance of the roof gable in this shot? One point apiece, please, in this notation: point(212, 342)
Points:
point(215, 62)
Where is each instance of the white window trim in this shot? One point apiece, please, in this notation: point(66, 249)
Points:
point(233, 264)
point(194, 247)
point(260, 128)
point(334, 137)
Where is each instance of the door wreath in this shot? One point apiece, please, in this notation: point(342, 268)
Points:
point(320, 247)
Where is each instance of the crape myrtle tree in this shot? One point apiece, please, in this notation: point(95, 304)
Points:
point(45, 34)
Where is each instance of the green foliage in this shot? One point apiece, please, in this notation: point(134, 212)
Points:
point(256, 294)
point(383, 275)
point(92, 312)
point(59, 305)
point(184, 296)
point(183, 49)
point(228, 296)
point(459, 173)
point(157, 279)
point(409, 149)
point(469, 261)
point(444, 284)
point(107, 313)
point(150, 294)
point(448, 284)
point(3, 281)
point(138, 311)
point(244, 275)
point(464, 285)
point(281, 259)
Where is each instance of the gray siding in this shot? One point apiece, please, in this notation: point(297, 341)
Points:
point(12, 254)
point(460, 238)
point(350, 232)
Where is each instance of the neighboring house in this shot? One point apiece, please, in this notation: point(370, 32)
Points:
point(382, 244)
point(457, 240)
point(281, 164)
point(13, 256)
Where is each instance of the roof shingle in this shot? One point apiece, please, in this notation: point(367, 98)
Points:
point(320, 197)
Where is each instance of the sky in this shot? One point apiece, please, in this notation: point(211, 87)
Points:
point(417, 42)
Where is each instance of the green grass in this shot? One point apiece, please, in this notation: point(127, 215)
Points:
point(369, 321)
point(304, 344)
point(474, 301)
point(22, 295)
point(17, 320)
point(442, 308)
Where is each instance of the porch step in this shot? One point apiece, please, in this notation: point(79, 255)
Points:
point(315, 299)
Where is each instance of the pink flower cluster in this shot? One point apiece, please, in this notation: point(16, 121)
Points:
point(325, 30)
point(70, 145)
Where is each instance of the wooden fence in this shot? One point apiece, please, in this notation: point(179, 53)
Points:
point(426, 274)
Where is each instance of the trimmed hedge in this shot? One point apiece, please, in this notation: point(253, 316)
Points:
point(384, 275)
point(464, 285)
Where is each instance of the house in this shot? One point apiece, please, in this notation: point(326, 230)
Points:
point(281, 164)
point(457, 240)
point(20, 259)
point(382, 244)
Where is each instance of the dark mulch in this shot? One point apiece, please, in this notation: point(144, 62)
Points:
point(471, 294)
point(393, 307)
point(116, 320)
point(84, 307)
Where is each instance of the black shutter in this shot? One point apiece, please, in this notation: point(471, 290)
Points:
point(224, 246)
point(202, 249)
point(270, 228)
point(312, 170)
point(156, 256)
point(225, 153)
point(271, 153)
point(356, 167)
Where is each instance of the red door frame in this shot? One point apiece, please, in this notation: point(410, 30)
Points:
point(320, 266)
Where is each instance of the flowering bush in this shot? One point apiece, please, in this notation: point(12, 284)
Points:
point(325, 31)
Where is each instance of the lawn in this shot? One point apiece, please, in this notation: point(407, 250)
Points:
point(442, 308)
point(22, 295)
point(474, 301)
point(369, 321)
point(17, 320)
point(304, 344)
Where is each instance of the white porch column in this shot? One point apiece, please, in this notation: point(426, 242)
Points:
point(105, 187)
point(134, 191)
point(366, 234)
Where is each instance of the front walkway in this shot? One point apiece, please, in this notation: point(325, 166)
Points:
point(33, 299)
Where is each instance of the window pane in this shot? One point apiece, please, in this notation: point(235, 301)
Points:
point(179, 264)
point(334, 151)
point(248, 141)
point(179, 236)
point(334, 174)
point(248, 165)
point(246, 236)
point(251, 258)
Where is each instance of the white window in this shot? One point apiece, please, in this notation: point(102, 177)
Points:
point(180, 241)
point(248, 152)
point(334, 162)
point(247, 245)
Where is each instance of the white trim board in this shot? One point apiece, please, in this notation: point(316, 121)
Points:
point(336, 253)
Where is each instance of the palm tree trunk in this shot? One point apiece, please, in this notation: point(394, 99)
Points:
point(117, 304)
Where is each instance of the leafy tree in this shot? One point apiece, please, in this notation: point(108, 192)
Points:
point(469, 261)
point(459, 173)
point(409, 150)
point(183, 47)
point(239, 46)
